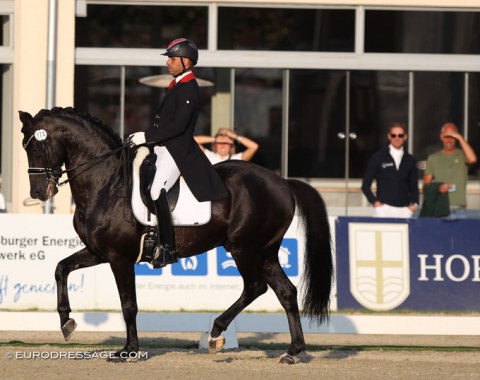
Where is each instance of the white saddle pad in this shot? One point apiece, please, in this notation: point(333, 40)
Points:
point(187, 212)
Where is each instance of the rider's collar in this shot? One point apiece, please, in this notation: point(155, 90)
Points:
point(183, 75)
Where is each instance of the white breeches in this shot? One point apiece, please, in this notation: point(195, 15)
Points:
point(167, 172)
point(387, 211)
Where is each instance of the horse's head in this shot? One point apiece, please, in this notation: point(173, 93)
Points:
point(45, 156)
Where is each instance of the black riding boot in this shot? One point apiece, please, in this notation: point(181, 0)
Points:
point(166, 252)
point(147, 173)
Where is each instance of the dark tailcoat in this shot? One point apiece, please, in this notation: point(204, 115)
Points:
point(173, 126)
point(395, 187)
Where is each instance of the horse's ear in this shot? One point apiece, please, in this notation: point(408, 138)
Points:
point(25, 117)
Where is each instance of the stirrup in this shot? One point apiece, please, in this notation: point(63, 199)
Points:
point(164, 256)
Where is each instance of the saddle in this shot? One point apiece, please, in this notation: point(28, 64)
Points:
point(186, 210)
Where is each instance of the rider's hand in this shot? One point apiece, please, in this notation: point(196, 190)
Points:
point(137, 138)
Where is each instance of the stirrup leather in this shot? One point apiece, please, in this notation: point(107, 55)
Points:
point(147, 246)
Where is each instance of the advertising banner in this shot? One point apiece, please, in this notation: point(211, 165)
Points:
point(32, 245)
point(412, 264)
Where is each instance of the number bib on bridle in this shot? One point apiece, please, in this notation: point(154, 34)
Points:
point(52, 174)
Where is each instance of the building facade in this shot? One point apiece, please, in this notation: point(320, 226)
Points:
point(315, 83)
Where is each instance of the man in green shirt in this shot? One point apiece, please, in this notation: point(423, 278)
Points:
point(449, 167)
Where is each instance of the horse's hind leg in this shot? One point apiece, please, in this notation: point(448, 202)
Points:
point(79, 260)
point(287, 295)
point(254, 286)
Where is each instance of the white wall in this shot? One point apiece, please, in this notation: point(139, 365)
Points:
point(29, 82)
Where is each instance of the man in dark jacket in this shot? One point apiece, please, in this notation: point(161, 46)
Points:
point(396, 175)
point(175, 151)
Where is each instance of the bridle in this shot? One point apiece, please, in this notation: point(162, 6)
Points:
point(53, 174)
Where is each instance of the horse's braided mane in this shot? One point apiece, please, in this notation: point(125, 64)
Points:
point(83, 118)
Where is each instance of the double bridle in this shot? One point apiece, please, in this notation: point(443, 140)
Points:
point(53, 174)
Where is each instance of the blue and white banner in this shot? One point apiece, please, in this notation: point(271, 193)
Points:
point(32, 245)
point(412, 264)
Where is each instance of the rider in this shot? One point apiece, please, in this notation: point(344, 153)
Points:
point(175, 151)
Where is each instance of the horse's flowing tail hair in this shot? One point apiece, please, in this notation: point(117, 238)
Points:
point(318, 266)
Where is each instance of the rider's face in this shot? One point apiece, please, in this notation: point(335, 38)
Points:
point(175, 67)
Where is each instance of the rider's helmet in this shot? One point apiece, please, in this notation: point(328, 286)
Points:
point(182, 47)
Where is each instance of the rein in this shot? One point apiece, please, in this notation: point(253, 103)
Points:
point(54, 174)
point(90, 164)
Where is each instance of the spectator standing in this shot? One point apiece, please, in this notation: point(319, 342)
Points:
point(396, 175)
point(447, 170)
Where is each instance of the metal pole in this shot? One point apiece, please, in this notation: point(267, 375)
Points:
point(411, 109)
point(285, 116)
point(465, 105)
point(347, 139)
point(48, 206)
point(122, 102)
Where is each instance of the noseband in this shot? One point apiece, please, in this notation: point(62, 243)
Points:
point(52, 174)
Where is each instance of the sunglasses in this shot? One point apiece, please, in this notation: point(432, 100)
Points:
point(400, 135)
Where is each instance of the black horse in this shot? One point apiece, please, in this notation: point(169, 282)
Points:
point(250, 223)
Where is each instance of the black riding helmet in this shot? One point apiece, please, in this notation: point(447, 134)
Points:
point(182, 47)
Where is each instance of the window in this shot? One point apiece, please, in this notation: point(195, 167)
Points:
point(474, 119)
point(258, 112)
point(97, 91)
point(438, 98)
point(286, 29)
point(422, 32)
point(316, 116)
point(318, 119)
point(147, 26)
point(4, 30)
point(377, 98)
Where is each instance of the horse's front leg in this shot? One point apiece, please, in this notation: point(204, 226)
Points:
point(80, 259)
point(124, 273)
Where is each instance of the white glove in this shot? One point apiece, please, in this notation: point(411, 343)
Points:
point(137, 138)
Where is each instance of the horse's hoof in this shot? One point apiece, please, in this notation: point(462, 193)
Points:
point(215, 344)
point(116, 359)
point(68, 328)
point(123, 357)
point(288, 359)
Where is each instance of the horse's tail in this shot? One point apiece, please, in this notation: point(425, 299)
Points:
point(318, 272)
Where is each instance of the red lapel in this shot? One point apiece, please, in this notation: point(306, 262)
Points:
point(187, 78)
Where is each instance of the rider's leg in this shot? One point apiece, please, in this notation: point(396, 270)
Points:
point(168, 253)
point(166, 176)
